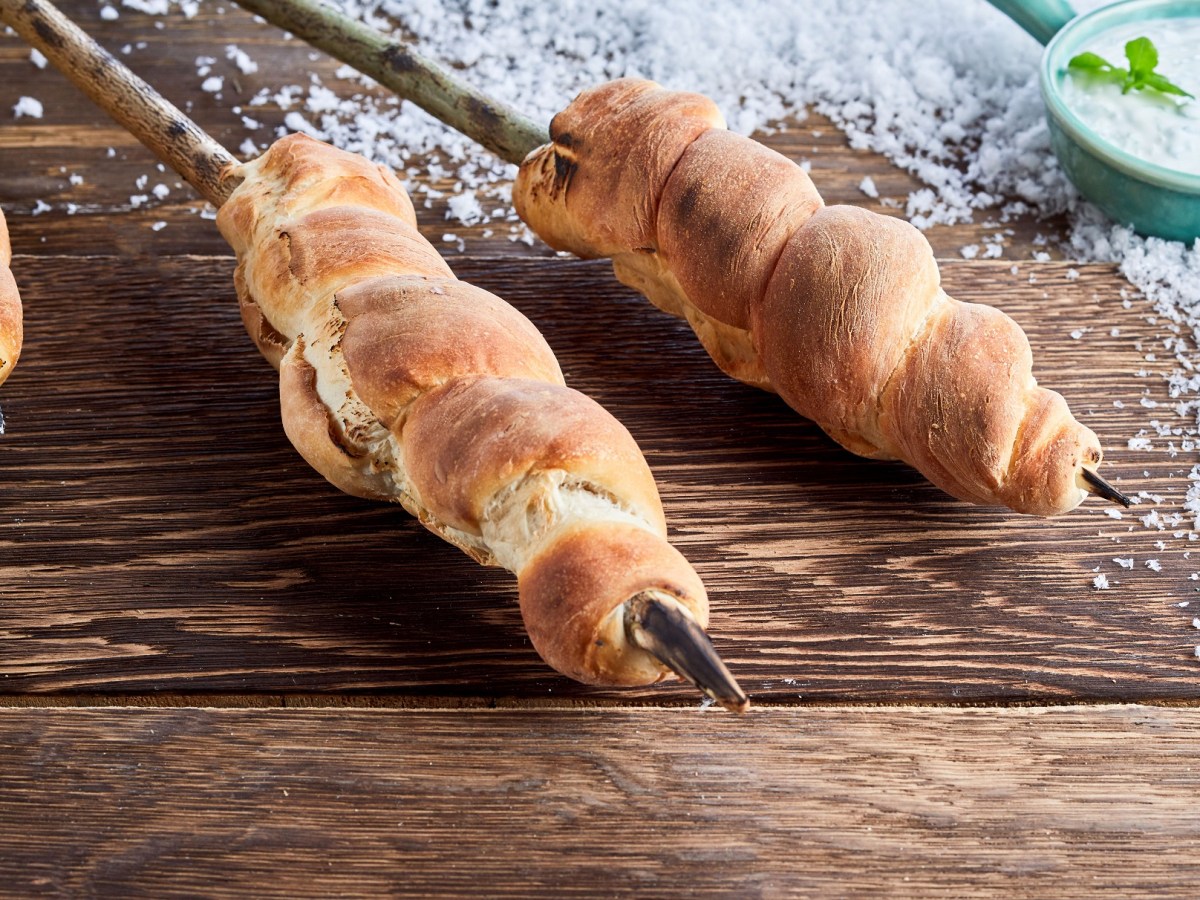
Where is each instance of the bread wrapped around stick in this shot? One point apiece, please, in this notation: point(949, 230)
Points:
point(399, 382)
point(837, 309)
point(10, 308)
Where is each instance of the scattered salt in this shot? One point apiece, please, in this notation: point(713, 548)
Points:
point(1100, 582)
point(27, 106)
point(465, 207)
point(149, 7)
point(1153, 565)
point(36, 57)
point(241, 59)
point(867, 186)
point(109, 13)
point(1124, 563)
point(970, 251)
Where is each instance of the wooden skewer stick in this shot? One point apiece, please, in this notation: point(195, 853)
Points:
point(658, 625)
point(152, 119)
point(655, 625)
point(1093, 483)
point(397, 66)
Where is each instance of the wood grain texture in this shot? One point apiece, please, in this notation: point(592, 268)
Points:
point(37, 156)
point(650, 803)
point(159, 534)
point(162, 545)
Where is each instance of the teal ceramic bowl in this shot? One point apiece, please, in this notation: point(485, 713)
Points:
point(1154, 200)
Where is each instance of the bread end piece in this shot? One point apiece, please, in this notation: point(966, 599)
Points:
point(573, 595)
point(11, 333)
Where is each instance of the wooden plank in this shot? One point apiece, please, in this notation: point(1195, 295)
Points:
point(159, 534)
point(37, 156)
point(647, 803)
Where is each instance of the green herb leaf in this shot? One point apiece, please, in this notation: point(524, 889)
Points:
point(1090, 61)
point(1162, 85)
point(1143, 59)
point(1142, 56)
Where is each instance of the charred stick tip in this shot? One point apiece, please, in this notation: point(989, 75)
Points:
point(1102, 488)
point(674, 638)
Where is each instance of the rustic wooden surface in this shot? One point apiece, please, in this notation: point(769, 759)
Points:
point(779, 803)
point(162, 545)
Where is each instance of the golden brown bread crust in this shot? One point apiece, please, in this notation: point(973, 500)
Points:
point(386, 342)
point(616, 192)
point(10, 308)
point(580, 579)
point(837, 309)
point(401, 383)
point(469, 439)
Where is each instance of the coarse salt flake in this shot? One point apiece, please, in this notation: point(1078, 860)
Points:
point(29, 107)
point(241, 59)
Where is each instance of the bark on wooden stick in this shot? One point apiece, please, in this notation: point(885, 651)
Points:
point(151, 118)
point(395, 65)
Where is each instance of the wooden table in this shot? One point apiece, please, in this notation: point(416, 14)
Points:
point(222, 677)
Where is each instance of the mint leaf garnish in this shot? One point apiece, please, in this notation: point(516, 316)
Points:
point(1090, 61)
point(1143, 60)
point(1142, 56)
point(1163, 86)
